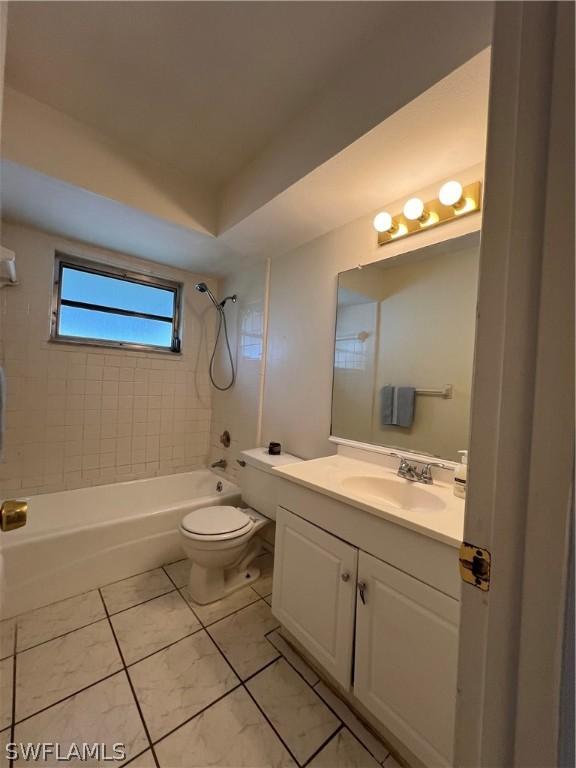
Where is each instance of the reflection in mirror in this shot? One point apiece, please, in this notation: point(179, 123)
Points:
point(404, 349)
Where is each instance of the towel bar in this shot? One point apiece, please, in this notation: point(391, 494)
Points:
point(445, 392)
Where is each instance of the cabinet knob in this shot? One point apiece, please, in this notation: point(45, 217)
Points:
point(345, 576)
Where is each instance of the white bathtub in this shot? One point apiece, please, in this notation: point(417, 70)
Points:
point(78, 540)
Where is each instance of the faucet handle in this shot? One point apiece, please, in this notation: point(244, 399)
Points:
point(426, 473)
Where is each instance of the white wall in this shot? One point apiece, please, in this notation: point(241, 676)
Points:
point(298, 384)
point(42, 138)
point(78, 415)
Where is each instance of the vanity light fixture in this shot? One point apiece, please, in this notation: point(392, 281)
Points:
point(454, 201)
point(414, 210)
point(451, 195)
point(383, 222)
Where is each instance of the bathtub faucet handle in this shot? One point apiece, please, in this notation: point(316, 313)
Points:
point(220, 464)
point(241, 462)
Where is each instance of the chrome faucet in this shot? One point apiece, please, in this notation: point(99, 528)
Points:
point(417, 472)
point(220, 464)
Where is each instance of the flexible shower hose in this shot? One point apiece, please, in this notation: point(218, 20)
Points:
point(222, 322)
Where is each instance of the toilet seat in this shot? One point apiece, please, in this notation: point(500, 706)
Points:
point(219, 523)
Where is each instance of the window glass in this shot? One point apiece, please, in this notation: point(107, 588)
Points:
point(97, 303)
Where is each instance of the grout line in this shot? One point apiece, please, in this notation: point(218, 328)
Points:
point(268, 664)
point(129, 762)
point(170, 577)
point(148, 600)
point(326, 704)
point(358, 739)
point(70, 696)
point(320, 748)
point(125, 669)
point(164, 647)
point(197, 714)
point(13, 718)
point(91, 623)
point(49, 605)
point(132, 576)
point(232, 613)
point(245, 687)
point(57, 637)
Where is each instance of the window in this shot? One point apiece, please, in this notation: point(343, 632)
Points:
point(252, 334)
point(104, 305)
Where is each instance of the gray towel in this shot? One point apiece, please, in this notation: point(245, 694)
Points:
point(387, 405)
point(397, 406)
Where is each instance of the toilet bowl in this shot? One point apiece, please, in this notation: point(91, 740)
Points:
point(219, 542)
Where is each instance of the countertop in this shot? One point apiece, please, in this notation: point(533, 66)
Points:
point(326, 476)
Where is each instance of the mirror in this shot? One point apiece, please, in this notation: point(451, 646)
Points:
point(404, 349)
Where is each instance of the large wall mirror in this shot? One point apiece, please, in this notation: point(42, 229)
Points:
point(404, 349)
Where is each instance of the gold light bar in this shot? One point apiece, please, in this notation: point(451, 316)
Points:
point(436, 214)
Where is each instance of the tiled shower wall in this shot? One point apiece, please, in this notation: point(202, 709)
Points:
point(237, 409)
point(78, 415)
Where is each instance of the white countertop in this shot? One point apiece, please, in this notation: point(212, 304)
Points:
point(328, 475)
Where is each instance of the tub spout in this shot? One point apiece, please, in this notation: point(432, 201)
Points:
point(220, 464)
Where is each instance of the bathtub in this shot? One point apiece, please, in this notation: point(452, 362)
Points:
point(78, 540)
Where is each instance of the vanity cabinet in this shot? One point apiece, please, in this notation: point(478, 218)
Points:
point(405, 658)
point(373, 622)
point(314, 591)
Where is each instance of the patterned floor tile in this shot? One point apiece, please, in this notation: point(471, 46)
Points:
point(264, 584)
point(153, 625)
point(58, 618)
point(296, 712)
point(293, 658)
point(179, 572)
point(6, 678)
point(50, 672)
point(128, 592)
point(7, 634)
point(175, 684)
point(145, 760)
point(343, 751)
point(372, 744)
point(242, 640)
point(212, 612)
point(104, 713)
point(230, 734)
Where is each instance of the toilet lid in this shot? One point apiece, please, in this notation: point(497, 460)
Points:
point(212, 521)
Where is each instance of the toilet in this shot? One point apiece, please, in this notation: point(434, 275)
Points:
point(221, 541)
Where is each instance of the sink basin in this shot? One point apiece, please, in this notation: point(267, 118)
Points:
point(400, 494)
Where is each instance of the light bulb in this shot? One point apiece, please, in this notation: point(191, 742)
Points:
point(450, 193)
point(414, 209)
point(383, 222)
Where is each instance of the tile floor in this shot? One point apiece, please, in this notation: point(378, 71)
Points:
point(179, 684)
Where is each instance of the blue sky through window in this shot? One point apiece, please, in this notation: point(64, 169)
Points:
point(116, 293)
point(90, 324)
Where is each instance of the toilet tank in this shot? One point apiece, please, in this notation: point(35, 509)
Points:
point(258, 481)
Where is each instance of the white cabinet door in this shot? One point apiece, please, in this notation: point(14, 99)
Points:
point(314, 591)
point(406, 658)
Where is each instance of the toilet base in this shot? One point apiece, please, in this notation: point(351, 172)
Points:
point(206, 585)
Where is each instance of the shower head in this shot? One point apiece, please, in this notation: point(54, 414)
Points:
point(203, 288)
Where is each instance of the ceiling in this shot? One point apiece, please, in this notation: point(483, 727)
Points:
point(443, 130)
point(209, 134)
point(197, 86)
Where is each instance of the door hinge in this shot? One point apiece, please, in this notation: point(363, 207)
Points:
point(475, 566)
